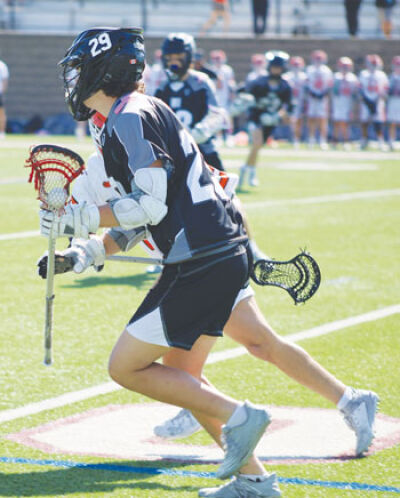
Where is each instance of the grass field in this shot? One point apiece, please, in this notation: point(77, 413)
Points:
point(344, 207)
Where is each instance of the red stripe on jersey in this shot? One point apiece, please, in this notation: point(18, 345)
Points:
point(98, 119)
point(223, 181)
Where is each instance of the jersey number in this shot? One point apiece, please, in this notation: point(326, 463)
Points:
point(100, 44)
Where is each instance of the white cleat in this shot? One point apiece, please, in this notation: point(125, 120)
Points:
point(240, 440)
point(240, 487)
point(154, 269)
point(182, 425)
point(359, 414)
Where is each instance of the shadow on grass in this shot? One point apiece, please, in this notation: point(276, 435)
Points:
point(142, 281)
point(64, 481)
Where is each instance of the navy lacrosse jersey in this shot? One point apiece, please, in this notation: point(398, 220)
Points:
point(271, 95)
point(190, 100)
point(201, 218)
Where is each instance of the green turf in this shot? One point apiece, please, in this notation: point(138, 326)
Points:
point(356, 243)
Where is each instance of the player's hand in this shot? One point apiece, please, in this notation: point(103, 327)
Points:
point(77, 258)
point(78, 220)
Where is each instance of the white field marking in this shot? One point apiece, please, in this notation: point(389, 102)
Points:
point(108, 387)
point(274, 202)
point(19, 235)
point(308, 166)
point(350, 196)
point(12, 180)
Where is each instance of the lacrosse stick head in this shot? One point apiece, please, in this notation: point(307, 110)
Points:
point(52, 170)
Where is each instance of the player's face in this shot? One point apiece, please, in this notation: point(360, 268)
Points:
point(175, 60)
point(275, 71)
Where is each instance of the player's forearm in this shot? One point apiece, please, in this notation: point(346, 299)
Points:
point(110, 245)
point(107, 218)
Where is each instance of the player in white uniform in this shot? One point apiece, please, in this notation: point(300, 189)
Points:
point(318, 88)
point(225, 85)
point(344, 93)
point(154, 75)
point(296, 77)
point(393, 104)
point(4, 75)
point(258, 68)
point(374, 86)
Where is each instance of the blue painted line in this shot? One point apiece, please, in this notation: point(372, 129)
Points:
point(353, 486)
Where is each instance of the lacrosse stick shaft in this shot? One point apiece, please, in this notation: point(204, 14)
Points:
point(134, 259)
point(48, 323)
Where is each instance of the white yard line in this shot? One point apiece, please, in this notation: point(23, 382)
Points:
point(349, 196)
point(19, 235)
point(108, 387)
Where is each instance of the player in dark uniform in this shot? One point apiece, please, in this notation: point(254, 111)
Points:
point(273, 100)
point(163, 184)
point(191, 95)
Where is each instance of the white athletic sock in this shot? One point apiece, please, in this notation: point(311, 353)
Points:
point(347, 396)
point(238, 416)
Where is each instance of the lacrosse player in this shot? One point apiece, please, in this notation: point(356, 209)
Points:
point(4, 76)
point(164, 185)
point(273, 102)
point(145, 340)
point(374, 87)
point(344, 93)
point(191, 95)
point(296, 77)
point(246, 324)
point(393, 104)
point(318, 88)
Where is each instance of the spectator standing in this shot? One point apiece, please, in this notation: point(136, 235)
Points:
point(352, 7)
point(260, 15)
point(4, 75)
point(219, 10)
point(385, 10)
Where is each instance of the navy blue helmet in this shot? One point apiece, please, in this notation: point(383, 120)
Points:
point(97, 57)
point(277, 58)
point(178, 43)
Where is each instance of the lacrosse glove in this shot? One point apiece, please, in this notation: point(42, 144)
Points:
point(77, 258)
point(78, 220)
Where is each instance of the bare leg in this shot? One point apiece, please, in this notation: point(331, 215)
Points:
point(3, 120)
point(247, 326)
point(210, 23)
point(193, 362)
point(133, 366)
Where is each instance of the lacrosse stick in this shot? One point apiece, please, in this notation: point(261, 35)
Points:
point(52, 170)
point(300, 276)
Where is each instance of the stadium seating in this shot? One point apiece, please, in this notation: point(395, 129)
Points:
point(323, 18)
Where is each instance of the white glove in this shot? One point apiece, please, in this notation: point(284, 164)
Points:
point(200, 133)
point(267, 119)
point(86, 253)
point(78, 221)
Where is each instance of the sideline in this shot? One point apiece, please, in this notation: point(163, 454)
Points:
point(353, 486)
point(108, 387)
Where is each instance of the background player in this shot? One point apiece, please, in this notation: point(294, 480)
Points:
point(273, 102)
point(374, 87)
point(296, 77)
point(4, 76)
point(318, 88)
point(344, 94)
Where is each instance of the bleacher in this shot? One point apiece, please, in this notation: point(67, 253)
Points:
point(322, 18)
